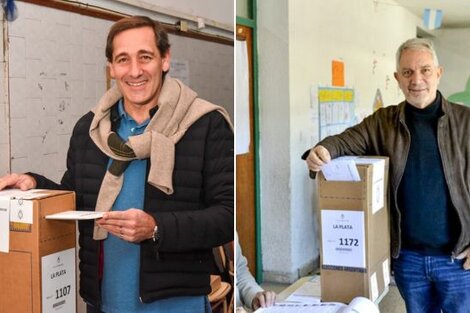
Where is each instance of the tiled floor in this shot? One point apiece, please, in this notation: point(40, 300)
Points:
point(391, 303)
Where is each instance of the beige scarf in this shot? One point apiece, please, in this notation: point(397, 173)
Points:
point(178, 109)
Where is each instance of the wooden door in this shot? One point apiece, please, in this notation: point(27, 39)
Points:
point(245, 196)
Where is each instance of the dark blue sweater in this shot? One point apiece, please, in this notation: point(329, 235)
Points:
point(429, 221)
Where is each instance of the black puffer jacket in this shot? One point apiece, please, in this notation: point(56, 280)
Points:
point(195, 218)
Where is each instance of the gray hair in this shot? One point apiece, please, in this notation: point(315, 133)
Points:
point(417, 44)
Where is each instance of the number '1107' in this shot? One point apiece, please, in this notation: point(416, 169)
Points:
point(62, 292)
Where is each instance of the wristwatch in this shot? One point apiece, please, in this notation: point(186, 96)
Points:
point(156, 234)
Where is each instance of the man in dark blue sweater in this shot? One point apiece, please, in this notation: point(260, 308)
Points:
point(426, 139)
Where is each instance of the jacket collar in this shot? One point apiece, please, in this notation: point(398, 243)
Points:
point(444, 106)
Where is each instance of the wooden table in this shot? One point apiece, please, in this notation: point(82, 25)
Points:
point(312, 288)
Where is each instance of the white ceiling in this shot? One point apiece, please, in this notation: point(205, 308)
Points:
point(456, 13)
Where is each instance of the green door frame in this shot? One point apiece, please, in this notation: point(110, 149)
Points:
point(251, 23)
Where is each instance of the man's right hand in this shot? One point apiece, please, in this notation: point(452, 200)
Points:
point(21, 181)
point(263, 299)
point(318, 157)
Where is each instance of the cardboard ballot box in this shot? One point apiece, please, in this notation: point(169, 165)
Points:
point(37, 256)
point(355, 237)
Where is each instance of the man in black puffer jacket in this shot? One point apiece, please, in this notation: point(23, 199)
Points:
point(159, 162)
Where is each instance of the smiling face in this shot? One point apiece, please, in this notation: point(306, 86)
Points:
point(137, 67)
point(418, 77)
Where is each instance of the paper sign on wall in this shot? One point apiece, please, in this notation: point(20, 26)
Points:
point(58, 282)
point(337, 75)
point(180, 69)
point(378, 102)
point(242, 122)
point(343, 239)
point(335, 109)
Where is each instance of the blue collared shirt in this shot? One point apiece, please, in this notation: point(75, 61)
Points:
point(120, 285)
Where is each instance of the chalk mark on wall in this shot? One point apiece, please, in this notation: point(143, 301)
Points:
point(387, 82)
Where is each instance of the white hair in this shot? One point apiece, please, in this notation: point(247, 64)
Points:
point(417, 44)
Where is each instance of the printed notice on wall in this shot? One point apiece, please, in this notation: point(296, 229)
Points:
point(343, 240)
point(180, 69)
point(58, 282)
point(336, 107)
point(242, 122)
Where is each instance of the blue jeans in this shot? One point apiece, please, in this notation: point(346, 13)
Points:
point(429, 284)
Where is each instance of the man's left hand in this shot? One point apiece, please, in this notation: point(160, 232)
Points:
point(465, 255)
point(132, 225)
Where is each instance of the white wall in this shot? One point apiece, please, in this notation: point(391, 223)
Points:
point(453, 49)
point(210, 68)
point(217, 10)
point(297, 42)
point(273, 40)
point(217, 14)
point(4, 109)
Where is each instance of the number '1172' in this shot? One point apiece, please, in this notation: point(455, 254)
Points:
point(348, 242)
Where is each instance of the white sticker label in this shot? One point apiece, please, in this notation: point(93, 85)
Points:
point(378, 175)
point(4, 225)
point(343, 239)
point(374, 287)
point(21, 211)
point(386, 272)
point(58, 282)
point(378, 167)
point(377, 196)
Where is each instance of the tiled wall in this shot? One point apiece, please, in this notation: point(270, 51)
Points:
point(57, 73)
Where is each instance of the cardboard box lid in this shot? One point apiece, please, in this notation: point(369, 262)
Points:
point(370, 169)
point(346, 168)
point(24, 227)
point(32, 194)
